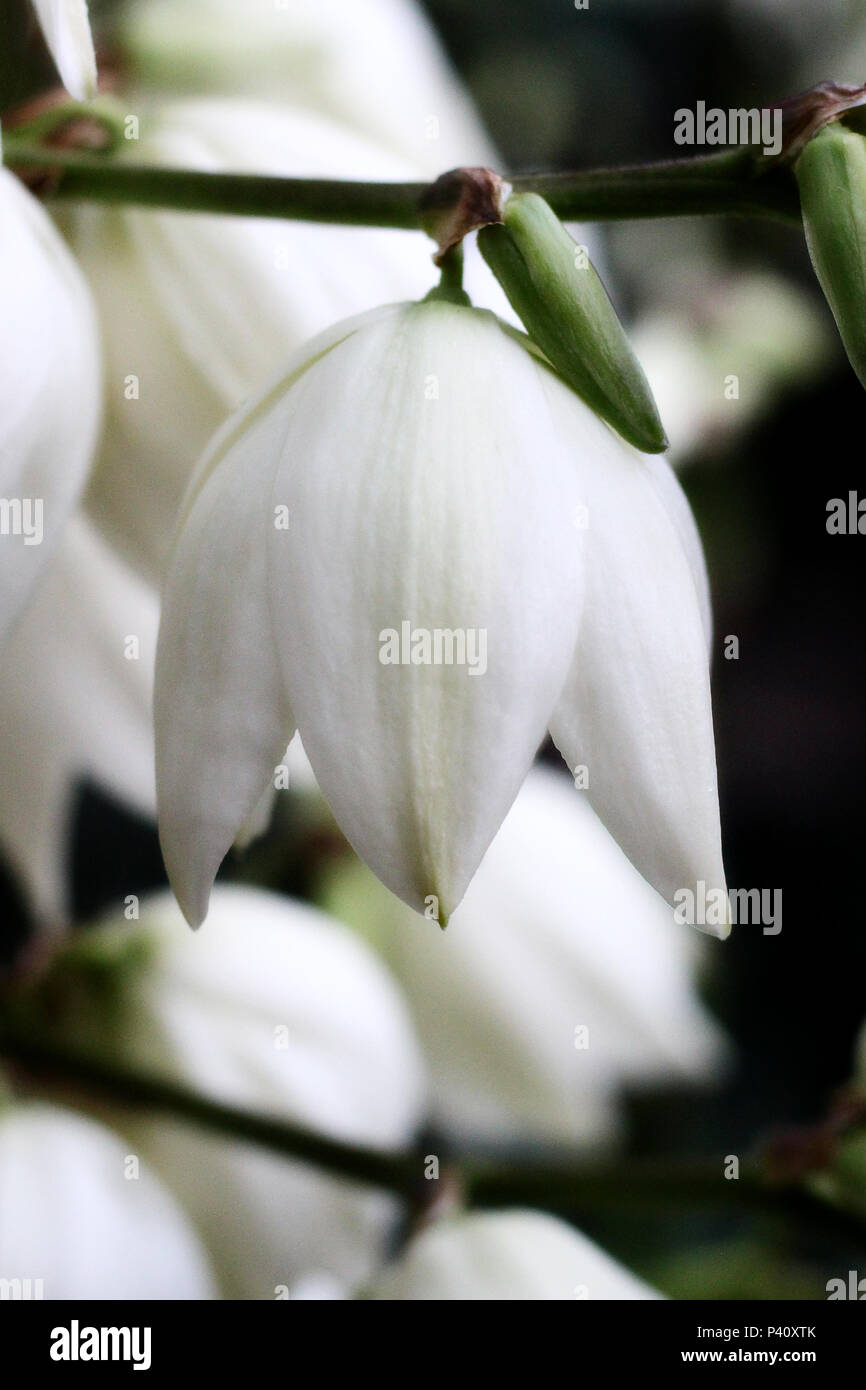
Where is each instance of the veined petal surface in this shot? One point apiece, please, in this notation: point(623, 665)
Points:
point(636, 710)
point(428, 494)
point(221, 716)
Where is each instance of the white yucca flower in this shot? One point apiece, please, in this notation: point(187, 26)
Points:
point(378, 67)
point(50, 391)
point(562, 979)
point(279, 1010)
point(420, 471)
point(195, 310)
point(75, 705)
point(66, 26)
point(511, 1256)
point(81, 1218)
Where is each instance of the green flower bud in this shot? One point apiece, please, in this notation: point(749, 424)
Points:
point(553, 287)
point(831, 174)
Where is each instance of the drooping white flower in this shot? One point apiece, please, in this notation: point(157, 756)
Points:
point(66, 26)
point(276, 1009)
point(562, 979)
point(81, 1218)
point(388, 548)
point(513, 1255)
point(378, 67)
point(75, 703)
point(50, 391)
point(195, 310)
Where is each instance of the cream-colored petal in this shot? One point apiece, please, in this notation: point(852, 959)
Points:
point(221, 717)
point(75, 703)
point(66, 26)
point(377, 68)
point(636, 711)
point(275, 1008)
point(511, 1256)
point(77, 1217)
point(50, 391)
point(199, 311)
point(427, 493)
point(561, 980)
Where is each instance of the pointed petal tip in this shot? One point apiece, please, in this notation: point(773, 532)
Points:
point(723, 932)
point(719, 931)
point(191, 890)
point(440, 916)
point(432, 906)
point(193, 905)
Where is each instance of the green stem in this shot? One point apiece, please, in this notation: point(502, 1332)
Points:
point(566, 1183)
point(667, 1187)
point(732, 182)
point(450, 287)
point(398, 1173)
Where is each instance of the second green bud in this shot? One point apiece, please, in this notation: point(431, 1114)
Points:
point(553, 287)
point(831, 175)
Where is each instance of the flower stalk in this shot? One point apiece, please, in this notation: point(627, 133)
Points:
point(731, 183)
point(560, 1183)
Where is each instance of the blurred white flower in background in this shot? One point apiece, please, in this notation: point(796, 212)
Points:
point(718, 358)
point(277, 1009)
point(197, 311)
point(80, 1214)
point(280, 1010)
point(50, 392)
point(479, 507)
point(562, 978)
point(500, 1256)
point(377, 67)
point(66, 27)
point(75, 703)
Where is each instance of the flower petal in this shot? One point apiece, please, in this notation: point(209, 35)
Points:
point(71, 1219)
point(50, 390)
point(95, 722)
point(275, 1009)
point(515, 1255)
point(220, 717)
point(324, 55)
point(675, 503)
point(201, 309)
point(220, 713)
point(66, 27)
point(561, 979)
point(426, 488)
point(636, 709)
